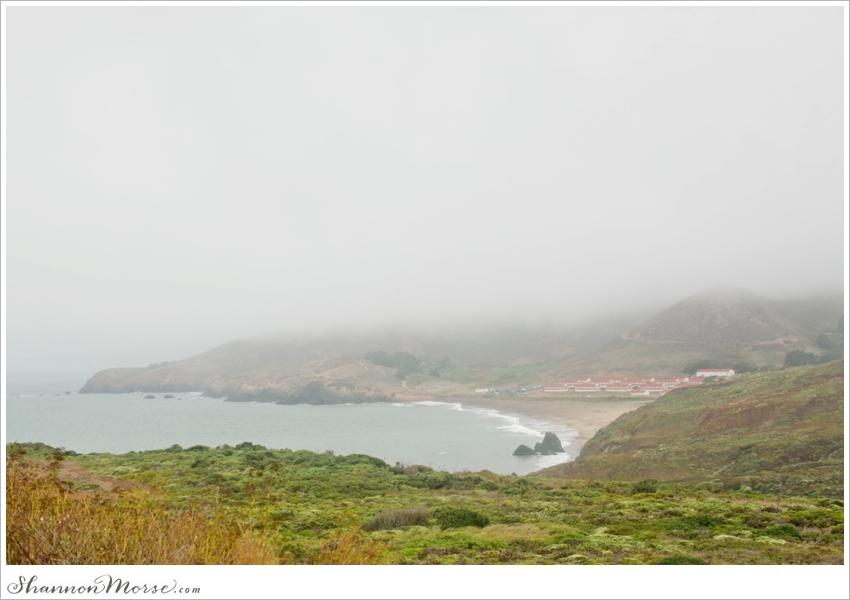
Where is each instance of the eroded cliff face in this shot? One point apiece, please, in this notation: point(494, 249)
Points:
point(114, 380)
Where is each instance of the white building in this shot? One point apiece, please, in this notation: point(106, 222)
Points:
point(715, 373)
point(556, 387)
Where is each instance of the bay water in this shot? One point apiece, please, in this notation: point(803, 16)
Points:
point(442, 434)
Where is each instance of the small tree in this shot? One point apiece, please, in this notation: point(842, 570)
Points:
point(743, 366)
point(798, 358)
point(827, 341)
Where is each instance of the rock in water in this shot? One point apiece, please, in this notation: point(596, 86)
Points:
point(168, 396)
point(550, 445)
point(150, 397)
point(524, 450)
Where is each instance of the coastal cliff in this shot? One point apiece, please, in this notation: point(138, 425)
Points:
point(270, 370)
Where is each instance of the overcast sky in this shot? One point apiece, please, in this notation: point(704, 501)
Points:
point(179, 177)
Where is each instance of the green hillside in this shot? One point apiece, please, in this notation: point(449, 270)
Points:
point(252, 505)
point(775, 431)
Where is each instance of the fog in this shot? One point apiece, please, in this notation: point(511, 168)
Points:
point(180, 177)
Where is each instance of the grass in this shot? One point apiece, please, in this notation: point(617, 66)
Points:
point(401, 517)
point(250, 504)
point(497, 377)
point(48, 522)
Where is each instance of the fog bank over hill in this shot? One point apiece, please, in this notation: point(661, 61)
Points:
point(721, 326)
point(179, 178)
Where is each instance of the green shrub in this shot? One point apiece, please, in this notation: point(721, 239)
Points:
point(360, 459)
point(402, 517)
point(404, 361)
point(693, 522)
point(784, 531)
point(490, 486)
point(681, 559)
point(449, 517)
point(743, 366)
point(518, 487)
point(816, 517)
point(432, 481)
point(405, 469)
point(646, 486)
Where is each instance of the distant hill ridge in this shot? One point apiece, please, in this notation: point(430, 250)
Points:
point(719, 315)
point(277, 368)
point(723, 324)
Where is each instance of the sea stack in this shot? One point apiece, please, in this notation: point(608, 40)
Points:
point(550, 445)
point(524, 450)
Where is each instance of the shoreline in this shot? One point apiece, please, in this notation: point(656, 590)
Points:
point(586, 416)
point(583, 415)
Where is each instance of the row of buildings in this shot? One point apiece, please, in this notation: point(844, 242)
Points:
point(635, 387)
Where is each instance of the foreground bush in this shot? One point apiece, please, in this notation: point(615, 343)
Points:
point(351, 549)
point(646, 486)
point(402, 517)
point(49, 524)
point(784, 531)
point(450, 517)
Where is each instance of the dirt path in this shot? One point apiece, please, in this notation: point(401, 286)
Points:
point(72, 472)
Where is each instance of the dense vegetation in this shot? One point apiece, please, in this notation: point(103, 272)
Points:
point(798, 358)
point(158, 365)
point(832, 344)
point(405, 362)
point(774, 431)
point(249, 504)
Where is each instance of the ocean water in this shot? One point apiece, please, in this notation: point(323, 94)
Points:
point(441, 434)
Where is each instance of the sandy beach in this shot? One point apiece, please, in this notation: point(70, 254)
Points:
point(585, 415)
